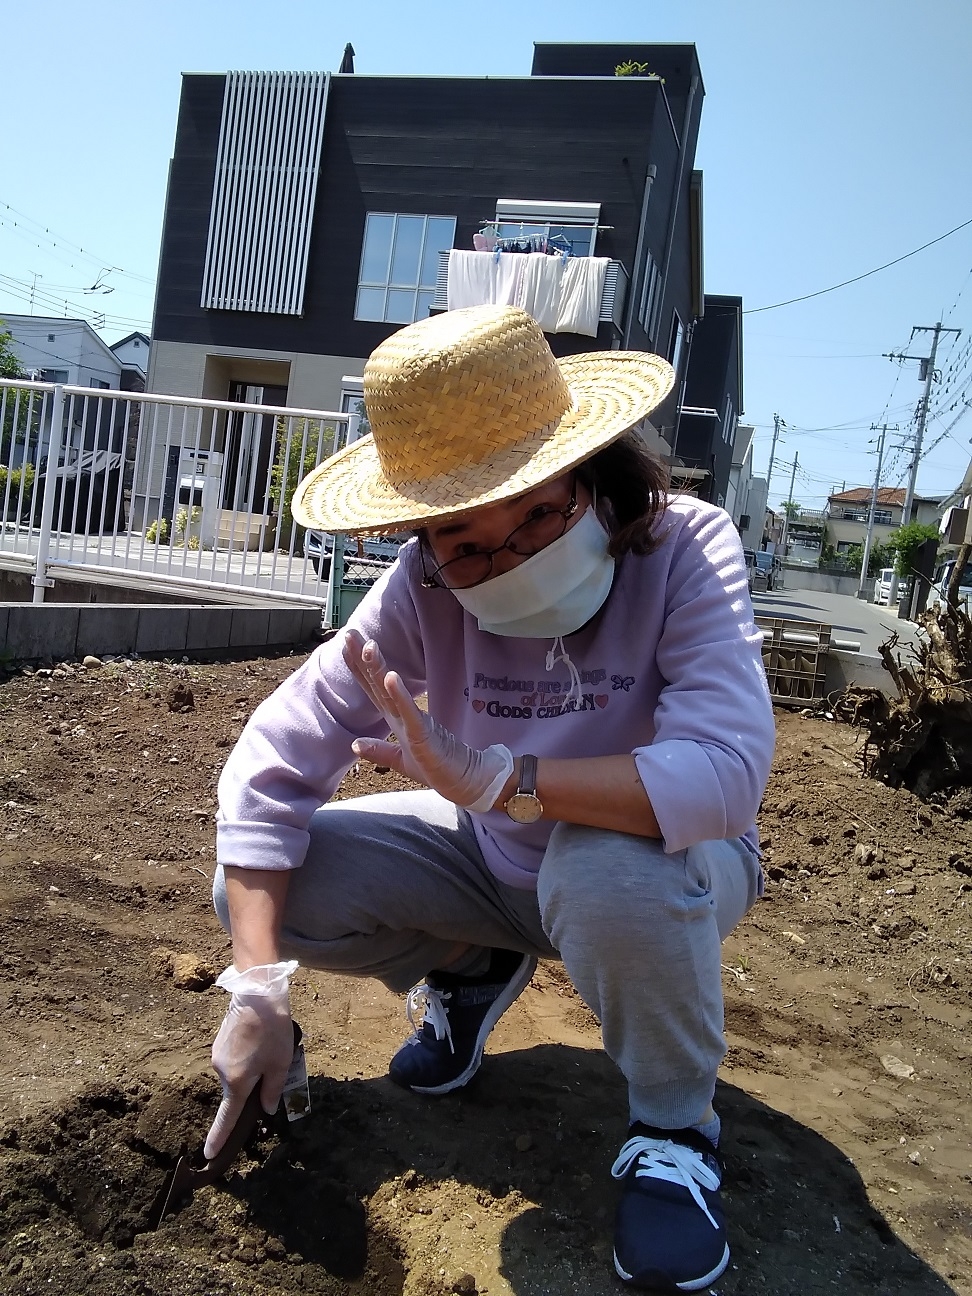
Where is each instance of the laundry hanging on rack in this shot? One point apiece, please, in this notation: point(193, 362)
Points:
point(480, 279)
point(563, 294)
point(582, 287)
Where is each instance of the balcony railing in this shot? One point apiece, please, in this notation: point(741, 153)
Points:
point(613, 295)
point(167, 493)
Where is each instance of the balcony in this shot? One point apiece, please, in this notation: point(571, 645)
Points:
point(613, 296)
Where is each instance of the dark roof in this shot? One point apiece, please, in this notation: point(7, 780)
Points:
point(142, 336)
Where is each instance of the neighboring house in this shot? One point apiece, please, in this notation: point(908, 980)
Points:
point(53, 349)
point(805, 536)
point(702, 453)
point(740, 474)
point(772, 536)
point(278, 278)
point(133, 353)
point(848, 511)
point(752, 523)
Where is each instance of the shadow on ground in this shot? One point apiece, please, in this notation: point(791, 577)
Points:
point(378, 1184)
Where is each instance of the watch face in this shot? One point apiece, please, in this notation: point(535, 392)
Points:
point(524, 807)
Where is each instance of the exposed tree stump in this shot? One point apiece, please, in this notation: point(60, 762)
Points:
point(922, 739)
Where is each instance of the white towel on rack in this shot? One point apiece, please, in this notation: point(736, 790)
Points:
point(582, 285)
point(540, 287)
point(482, 279)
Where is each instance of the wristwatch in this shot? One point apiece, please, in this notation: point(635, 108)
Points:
point(524, 805)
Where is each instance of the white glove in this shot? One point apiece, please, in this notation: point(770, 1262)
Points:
point(255, 1043)
point(425, 751)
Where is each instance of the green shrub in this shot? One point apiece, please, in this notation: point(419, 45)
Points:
point(906, 541)
point(15, 479)
point(287, 473)
point(158, 532)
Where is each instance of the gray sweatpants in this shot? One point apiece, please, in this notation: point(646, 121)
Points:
point(392, 882)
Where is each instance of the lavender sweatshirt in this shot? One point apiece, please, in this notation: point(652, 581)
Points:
point(670, 668)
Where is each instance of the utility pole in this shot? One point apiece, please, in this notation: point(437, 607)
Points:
point(786, 512)
point(869, 538)
point(927, 372)
point(777, 424)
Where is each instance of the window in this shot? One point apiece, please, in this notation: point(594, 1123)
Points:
point(99, 382)
point(399, 264)
point(54, 375)
point(676, 345)
point(50, 337)
point(650, 297)
point(882, 517)
point(352, 402)
point(135, 342)
point(729, 422)
point(572, 225)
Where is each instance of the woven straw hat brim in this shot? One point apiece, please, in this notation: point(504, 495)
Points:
point(611, 391)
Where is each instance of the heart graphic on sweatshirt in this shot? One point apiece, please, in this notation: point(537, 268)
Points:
point(601, 699)
point(478, 704)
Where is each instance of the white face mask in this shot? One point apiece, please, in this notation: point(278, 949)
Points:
point(554, 592)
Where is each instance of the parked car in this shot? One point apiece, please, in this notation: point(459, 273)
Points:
point(319, 545)
point(750, 557)
point(882, 585)
point(768, 567)
point(943, 574)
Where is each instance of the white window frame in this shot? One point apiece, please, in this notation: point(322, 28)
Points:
point(650, 304)
point(729, 421)
point(529, 216)
point(677, 342)
point(384, 286)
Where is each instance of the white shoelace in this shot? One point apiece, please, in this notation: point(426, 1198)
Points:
point(428, 1001)
point(673, 1162)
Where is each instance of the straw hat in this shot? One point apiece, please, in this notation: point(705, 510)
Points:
point(470, 407)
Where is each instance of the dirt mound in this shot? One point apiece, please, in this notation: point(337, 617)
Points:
point(845, 1096)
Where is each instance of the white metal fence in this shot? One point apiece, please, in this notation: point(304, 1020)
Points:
point(164, 493)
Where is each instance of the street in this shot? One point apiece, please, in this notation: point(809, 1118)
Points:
point(851, 618)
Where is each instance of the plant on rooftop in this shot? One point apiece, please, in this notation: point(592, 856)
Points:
point(630, 68)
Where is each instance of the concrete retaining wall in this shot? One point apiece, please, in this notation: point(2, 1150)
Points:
point(60, 630)
point(845, 668)
point(794, 578)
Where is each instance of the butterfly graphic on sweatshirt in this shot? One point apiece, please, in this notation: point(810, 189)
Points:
point(621, 682)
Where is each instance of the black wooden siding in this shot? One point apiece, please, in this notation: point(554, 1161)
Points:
point(438, 146)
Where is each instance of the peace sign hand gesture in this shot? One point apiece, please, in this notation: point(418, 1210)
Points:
point(425, 751)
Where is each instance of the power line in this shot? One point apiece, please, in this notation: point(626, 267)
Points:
point(53, 238)
point(755, 310)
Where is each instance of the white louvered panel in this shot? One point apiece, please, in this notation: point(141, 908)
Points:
point(267, 166)
point(441, 299)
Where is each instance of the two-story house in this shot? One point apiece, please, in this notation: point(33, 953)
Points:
point(309, 215)
point(53, 349)
point(848, 511)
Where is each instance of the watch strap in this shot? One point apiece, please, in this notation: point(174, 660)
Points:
point(528, 775)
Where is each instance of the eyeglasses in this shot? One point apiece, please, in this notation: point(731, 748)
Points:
point(542, 527)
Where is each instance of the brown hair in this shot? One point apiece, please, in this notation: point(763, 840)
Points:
point(635, 482)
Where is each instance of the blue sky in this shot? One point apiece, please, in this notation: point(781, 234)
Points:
point(834, 139)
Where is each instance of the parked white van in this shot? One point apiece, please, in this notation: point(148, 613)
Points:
point(882, 585)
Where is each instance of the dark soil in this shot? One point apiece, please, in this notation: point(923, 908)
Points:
point(845, 1098)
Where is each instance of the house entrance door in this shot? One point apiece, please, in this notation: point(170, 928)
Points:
point(249, 449)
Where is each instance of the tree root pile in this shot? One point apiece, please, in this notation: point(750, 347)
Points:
point(922, 739)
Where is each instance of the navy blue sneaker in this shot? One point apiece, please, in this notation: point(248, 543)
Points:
point(670, 1232)
point(457, 1015)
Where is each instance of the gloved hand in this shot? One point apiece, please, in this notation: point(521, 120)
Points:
point(255, 1044)
point(425, 751)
